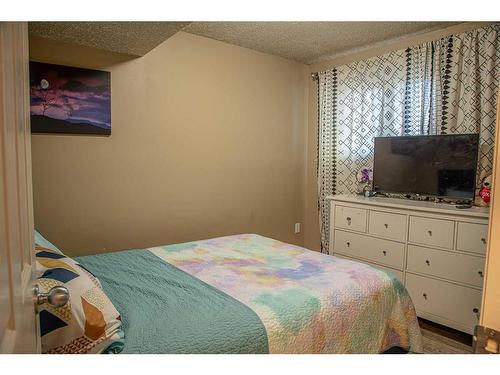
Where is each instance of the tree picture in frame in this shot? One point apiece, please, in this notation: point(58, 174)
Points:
point(69, 100)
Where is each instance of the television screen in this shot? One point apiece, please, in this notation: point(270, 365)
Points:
point(437, 165)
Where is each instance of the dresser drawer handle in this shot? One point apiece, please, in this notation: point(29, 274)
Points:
point(480, 273)
point(386, 226)
point(348, 220)
point(384, 252)
point(348, 244)
point(483, 240)
point(475, 310)
point(430, 232)
point(428, 262)
point(424, 295)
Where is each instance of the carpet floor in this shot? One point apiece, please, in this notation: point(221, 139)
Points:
point(441, 340)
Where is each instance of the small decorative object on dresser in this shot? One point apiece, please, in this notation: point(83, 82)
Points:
point(365, 177)
point(484, 196)
point(435, 249)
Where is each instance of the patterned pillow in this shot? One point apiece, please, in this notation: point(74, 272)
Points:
point(89, 323)
point(41, 241)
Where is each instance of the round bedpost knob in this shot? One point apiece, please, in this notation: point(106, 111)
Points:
point(58, 296)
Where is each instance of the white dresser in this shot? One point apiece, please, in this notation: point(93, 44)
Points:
point(436, 250)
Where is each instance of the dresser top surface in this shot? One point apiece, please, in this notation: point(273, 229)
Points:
point(407, 204)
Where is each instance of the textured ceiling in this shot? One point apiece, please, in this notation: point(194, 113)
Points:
point(308, 42)
point(133, 38)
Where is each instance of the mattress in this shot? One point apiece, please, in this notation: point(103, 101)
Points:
point(252, 294)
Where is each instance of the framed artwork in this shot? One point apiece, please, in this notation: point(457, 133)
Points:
point(69, 100)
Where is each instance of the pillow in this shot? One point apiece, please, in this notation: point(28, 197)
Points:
point(41, 241)
point(89, 323)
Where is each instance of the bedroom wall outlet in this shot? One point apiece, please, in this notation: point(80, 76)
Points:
point(297, 228)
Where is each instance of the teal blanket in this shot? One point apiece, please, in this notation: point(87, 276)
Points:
point(166, 310)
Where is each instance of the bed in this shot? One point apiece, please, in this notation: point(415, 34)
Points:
point(252, 294)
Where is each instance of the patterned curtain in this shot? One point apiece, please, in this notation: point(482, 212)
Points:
point(418, 90)
point(441, 87)
point(466, 81)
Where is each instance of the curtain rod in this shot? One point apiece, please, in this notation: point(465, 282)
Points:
point(314, 76)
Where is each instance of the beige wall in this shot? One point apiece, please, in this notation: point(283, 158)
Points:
point(208, 139)
point(311, 235)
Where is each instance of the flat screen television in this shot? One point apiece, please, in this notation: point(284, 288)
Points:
point(435, 165)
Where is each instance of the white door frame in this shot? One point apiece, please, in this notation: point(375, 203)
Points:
point(18, 322)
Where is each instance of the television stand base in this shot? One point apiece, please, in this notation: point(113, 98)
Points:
point(426, 198)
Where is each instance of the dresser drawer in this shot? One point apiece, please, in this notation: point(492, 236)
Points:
point(457, 267)
point(388, 253)
point(387, 225)
point(435, 232)
point(452, 302)
point(350, 218)
point(472, 237)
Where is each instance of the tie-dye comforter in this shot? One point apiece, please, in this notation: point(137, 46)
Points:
point(308, 302)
